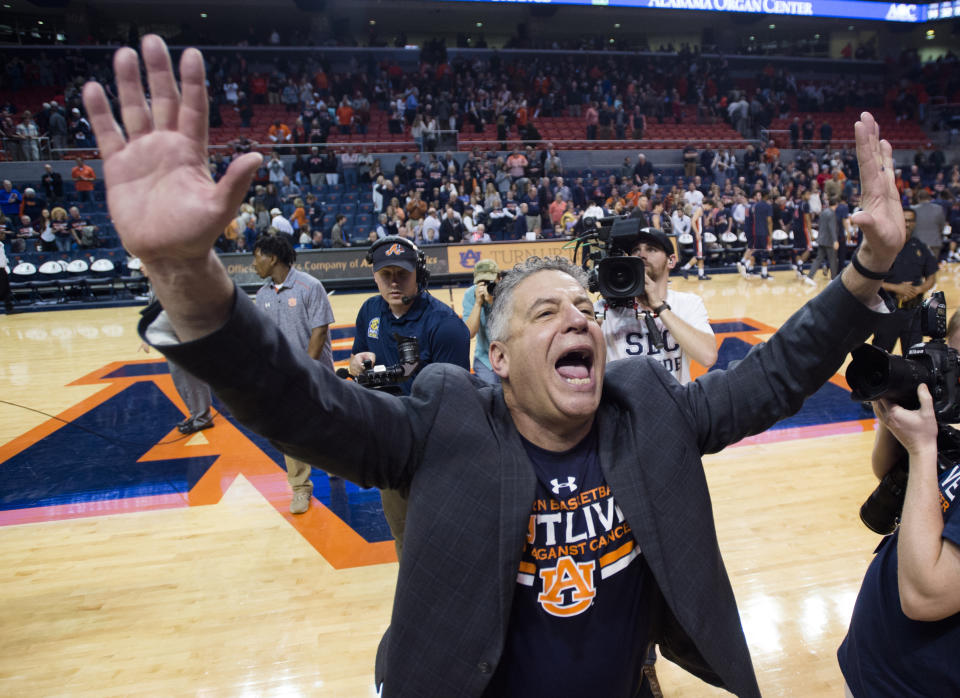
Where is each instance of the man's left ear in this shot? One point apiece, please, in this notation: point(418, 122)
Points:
point(671, 261)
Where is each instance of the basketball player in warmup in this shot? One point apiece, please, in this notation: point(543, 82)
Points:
point(759, 237)
point(802, 237)
point(696, 228)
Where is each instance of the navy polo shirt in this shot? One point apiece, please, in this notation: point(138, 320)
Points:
point(442, 335)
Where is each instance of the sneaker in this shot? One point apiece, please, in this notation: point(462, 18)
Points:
point(799, 272)
point(703, 277)
point(684, 272)
point(766, 277)
point(181, 425)
point(742, 269)
point(808, 281)
point(300, 502)
point(195, 425)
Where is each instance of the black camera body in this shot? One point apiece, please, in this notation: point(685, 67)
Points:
point(387, 378)
point(605, 256)
point(875, 373)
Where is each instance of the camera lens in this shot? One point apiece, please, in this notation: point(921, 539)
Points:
point(491, 287)
point(620, 277)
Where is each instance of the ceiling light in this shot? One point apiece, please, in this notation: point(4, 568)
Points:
point(773, 26)
point(373, 22)
point(203, 15)
point(617, 25)
point(479, 24)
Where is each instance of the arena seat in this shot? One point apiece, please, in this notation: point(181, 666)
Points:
point(22, 277)
point(47, 284)
point(132, 278)
point(103, 273)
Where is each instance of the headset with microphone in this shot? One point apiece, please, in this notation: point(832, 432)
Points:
point(423, 274)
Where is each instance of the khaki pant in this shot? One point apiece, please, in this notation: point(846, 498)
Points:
point(298, 474)
point(395, 512)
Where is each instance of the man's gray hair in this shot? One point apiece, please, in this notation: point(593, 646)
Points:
point(498, 326)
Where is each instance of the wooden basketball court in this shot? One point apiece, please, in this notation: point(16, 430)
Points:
point(140, 562)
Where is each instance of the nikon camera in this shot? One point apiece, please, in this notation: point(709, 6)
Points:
point(874, 374)
point(387, 378)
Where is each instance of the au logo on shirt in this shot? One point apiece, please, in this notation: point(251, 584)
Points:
point(568, 576)
point(373, 329)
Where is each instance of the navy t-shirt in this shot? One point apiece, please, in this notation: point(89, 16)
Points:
point(887, 654)
point(580, 620)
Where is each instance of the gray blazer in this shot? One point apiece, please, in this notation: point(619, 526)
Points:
point(454, 444)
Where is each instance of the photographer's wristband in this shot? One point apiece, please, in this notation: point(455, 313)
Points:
point(864, 272)
point(660, 308)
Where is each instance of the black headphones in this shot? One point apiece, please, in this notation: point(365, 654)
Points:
point(423, 274)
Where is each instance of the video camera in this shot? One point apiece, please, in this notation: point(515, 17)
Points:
point(604, 248)
point(387, 378)
point(875, 373)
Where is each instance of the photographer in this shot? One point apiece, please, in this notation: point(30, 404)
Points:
point(477, 301)
point(905, 628)
point(680, 317)
point(914, 272)
point(404, 308)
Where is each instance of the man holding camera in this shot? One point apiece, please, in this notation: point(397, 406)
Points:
point(498, 585)
point(905, 628)
point(913, 274)
point(477, 301)
point(404, 308)
point(298, 303)
point(680, 318)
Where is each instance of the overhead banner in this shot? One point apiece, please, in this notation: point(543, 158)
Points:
point(345, 264)
point(461, 259)
point(851, 9)
point(348, 264)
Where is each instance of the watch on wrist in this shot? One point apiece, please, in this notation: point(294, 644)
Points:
point(660, 308)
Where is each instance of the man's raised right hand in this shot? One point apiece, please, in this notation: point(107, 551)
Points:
point(163, 202)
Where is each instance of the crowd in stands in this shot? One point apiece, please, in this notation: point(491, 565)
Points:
point(328, 196)
point(529, 194)
point(615, 95)
point(51, 215)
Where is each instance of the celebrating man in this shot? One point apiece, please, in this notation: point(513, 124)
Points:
point(560, 520)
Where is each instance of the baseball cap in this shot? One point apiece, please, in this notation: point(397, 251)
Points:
point(485, 270)
point(275, 212)
point(395, 254)
point(655, 237)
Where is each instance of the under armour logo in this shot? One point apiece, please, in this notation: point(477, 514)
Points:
point(571, 483)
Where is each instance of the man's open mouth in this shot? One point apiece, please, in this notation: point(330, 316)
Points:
point(574, 366)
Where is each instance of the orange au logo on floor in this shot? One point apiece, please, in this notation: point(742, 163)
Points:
point(235, 454)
